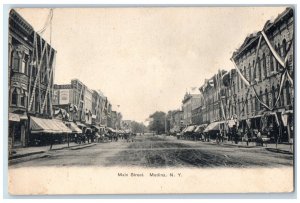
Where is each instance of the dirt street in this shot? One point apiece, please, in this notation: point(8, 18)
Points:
point(162, 151)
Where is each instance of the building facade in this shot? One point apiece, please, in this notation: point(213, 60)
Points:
point(31, 69)
point(258, 94)
point(270, 95)
point(190, 102)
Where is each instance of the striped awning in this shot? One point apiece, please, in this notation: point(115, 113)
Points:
point(74, 128)
point(14, 117)
point(213, 126)
point(52, 126)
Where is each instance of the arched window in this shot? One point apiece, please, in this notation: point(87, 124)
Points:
point(273, 96)
point(264, 65)
point(287, 91)
point(279, 49)
point(16, 61)
point(241, 79)
point(259, 69)
point(276, 62)
point(14, 97)
point(24, 66)
point(256, 104)
point(254, 70)
point(284, 48)
point(267, 97)
point(22, 98)
point(271, 62)
point(261, 99)
point(251, 104)
point(238, 110)
point(237, 83)
point(242, 106)
point(282, 96)
point(249, 67)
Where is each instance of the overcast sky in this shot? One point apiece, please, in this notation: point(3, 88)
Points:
point(144, 59)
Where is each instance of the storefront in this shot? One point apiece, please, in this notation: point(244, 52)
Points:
point(288, 126)
point(47, 131)
point(17, 130)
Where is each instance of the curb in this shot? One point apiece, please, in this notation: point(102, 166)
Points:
point(76, 147)
point(83, 146)
point(17, 156)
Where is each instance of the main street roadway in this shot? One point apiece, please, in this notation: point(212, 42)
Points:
point(162, 151)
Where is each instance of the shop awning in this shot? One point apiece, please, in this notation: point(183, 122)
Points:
point(95, 126)
point(53, 126)
point(110, 129)
point(74, 128)
point(184, 129)
point(80, 124)
point(213, 126)
point(14, 117)
point(190, 128)
point(200, 128)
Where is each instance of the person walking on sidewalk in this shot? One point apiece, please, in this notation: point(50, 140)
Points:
point(259, 139)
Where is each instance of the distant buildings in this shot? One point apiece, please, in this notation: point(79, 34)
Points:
point(88, 108)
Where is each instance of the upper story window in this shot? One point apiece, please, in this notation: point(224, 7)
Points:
point(14, 97)
point(20, 60)
point(264, 62)
point(284, 48)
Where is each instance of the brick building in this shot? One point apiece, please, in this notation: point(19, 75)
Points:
point(268, 99)
point(190, 102)
point(258, 93)
point(30, 72)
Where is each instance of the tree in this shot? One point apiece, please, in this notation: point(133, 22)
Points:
point(157, 123)
point(138, 127)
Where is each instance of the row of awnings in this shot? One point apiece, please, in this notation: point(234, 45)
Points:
point(218, 125)
point(56, 126)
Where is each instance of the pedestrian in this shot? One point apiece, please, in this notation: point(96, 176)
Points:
point(259, 138)
point(246, 139)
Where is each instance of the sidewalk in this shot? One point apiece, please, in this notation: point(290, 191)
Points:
point(27, 151)
point(283, 148)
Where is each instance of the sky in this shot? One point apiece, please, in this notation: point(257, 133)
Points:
point(145, 59)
